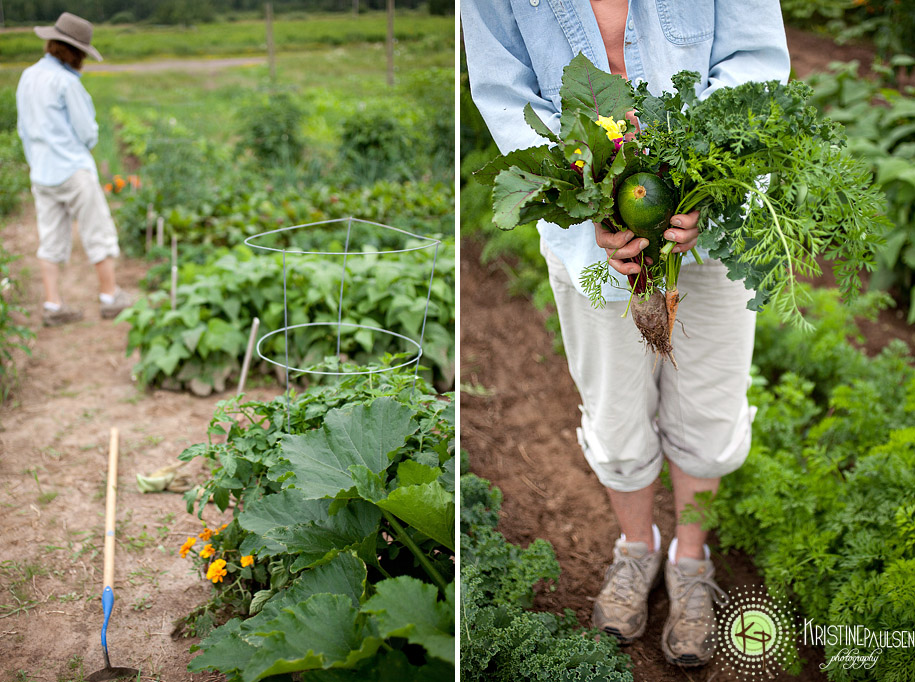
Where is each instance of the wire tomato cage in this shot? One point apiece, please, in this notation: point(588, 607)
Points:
point(348, 252)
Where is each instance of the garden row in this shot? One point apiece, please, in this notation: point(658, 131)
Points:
point(338, 563)
point(209, 197)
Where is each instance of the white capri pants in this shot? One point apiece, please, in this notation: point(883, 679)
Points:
point(636, 410)
point(80, 198)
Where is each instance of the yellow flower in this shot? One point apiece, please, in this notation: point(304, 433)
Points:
point(247, 560)
point(186, 547)
point(222, 527)
point(205, 534)
point(216, 571)
point(207, 551)
point(580, 163)
point(615, 129)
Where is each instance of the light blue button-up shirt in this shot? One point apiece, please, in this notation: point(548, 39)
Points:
point(56, 122)
point(516, 50)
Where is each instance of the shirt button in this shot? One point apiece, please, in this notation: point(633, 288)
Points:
point(534, 3)
point(631, 23)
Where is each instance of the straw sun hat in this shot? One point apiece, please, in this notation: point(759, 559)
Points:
point(72, 30)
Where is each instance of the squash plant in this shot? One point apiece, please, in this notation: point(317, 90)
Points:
point(340, 554)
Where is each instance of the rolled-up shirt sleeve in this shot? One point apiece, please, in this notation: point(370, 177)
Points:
point(502, 79)
point(82, 113)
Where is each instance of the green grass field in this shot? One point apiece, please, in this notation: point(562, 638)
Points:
point(331, 66)
point(133, 42)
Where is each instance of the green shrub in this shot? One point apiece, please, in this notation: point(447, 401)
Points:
point(377, 145)
point(8, 112)
point(271, 129)
point(13, 334)
point(14, 172)
point(123, 17)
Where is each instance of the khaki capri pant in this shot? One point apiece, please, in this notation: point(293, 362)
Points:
point(635, 409)
point(80, 198)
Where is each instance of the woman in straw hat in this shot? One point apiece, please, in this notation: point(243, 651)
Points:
point(57, 125)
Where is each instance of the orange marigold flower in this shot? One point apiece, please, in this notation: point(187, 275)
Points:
point(217, 571)
point(134, 181)
point(247, 560)
point(205, 534)
point(108, 188)
point(207, 551)
point(186, 547)
point(119, 183)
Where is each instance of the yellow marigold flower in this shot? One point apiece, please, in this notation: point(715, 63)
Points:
point(217, 571)
point(186, 547)
point(615, 129)
point(247, 560)
point(205, 534)
point(207, 551)
point(579, 163)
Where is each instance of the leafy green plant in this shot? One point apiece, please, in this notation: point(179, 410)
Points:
point(203, 339)
point(880, 124)
point(13, 334)
point(271, 128)
point(500, 639)
point(377, 145)
point(14, 172)
point(824, 500)
point(352, 562)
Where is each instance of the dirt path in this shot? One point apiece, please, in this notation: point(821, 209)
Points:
point(518, 422)
point(53, 459)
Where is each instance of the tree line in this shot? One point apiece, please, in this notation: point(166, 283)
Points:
point(13, 12)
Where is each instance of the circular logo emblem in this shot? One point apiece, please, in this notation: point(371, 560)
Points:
point(756, 634)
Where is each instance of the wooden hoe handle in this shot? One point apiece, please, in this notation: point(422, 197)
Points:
point(110, 506)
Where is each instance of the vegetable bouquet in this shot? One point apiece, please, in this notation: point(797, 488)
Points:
point(775, 191)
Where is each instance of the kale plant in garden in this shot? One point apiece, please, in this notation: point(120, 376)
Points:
point(773, 187)
point(339, 560)
point(501, 639)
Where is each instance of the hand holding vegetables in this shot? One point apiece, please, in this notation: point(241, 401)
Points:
point(621, 247)
point(773, 188)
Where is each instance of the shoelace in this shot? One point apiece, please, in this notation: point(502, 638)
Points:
point(695, 602)
point(621, 578)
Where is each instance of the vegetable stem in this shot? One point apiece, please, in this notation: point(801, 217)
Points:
point(417, 552)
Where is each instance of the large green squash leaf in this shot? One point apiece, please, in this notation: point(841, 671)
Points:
point(365, 435)
point(407, 607)
point(323, 632)
point(428, 507)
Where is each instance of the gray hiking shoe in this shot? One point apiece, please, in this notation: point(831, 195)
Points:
point(63, 315)
point(121, 301)
point(621, 607)
point(691, 630)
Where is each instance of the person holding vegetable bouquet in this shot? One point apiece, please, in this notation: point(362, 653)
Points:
point(637, 412)
point(56, 121)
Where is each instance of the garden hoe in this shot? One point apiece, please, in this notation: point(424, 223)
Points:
point(109, 673)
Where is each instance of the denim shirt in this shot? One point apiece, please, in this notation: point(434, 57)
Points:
point(516, 51)
point(56, 121)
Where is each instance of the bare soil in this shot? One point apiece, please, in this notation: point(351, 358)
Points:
point(76, 385)
point(518, 419)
